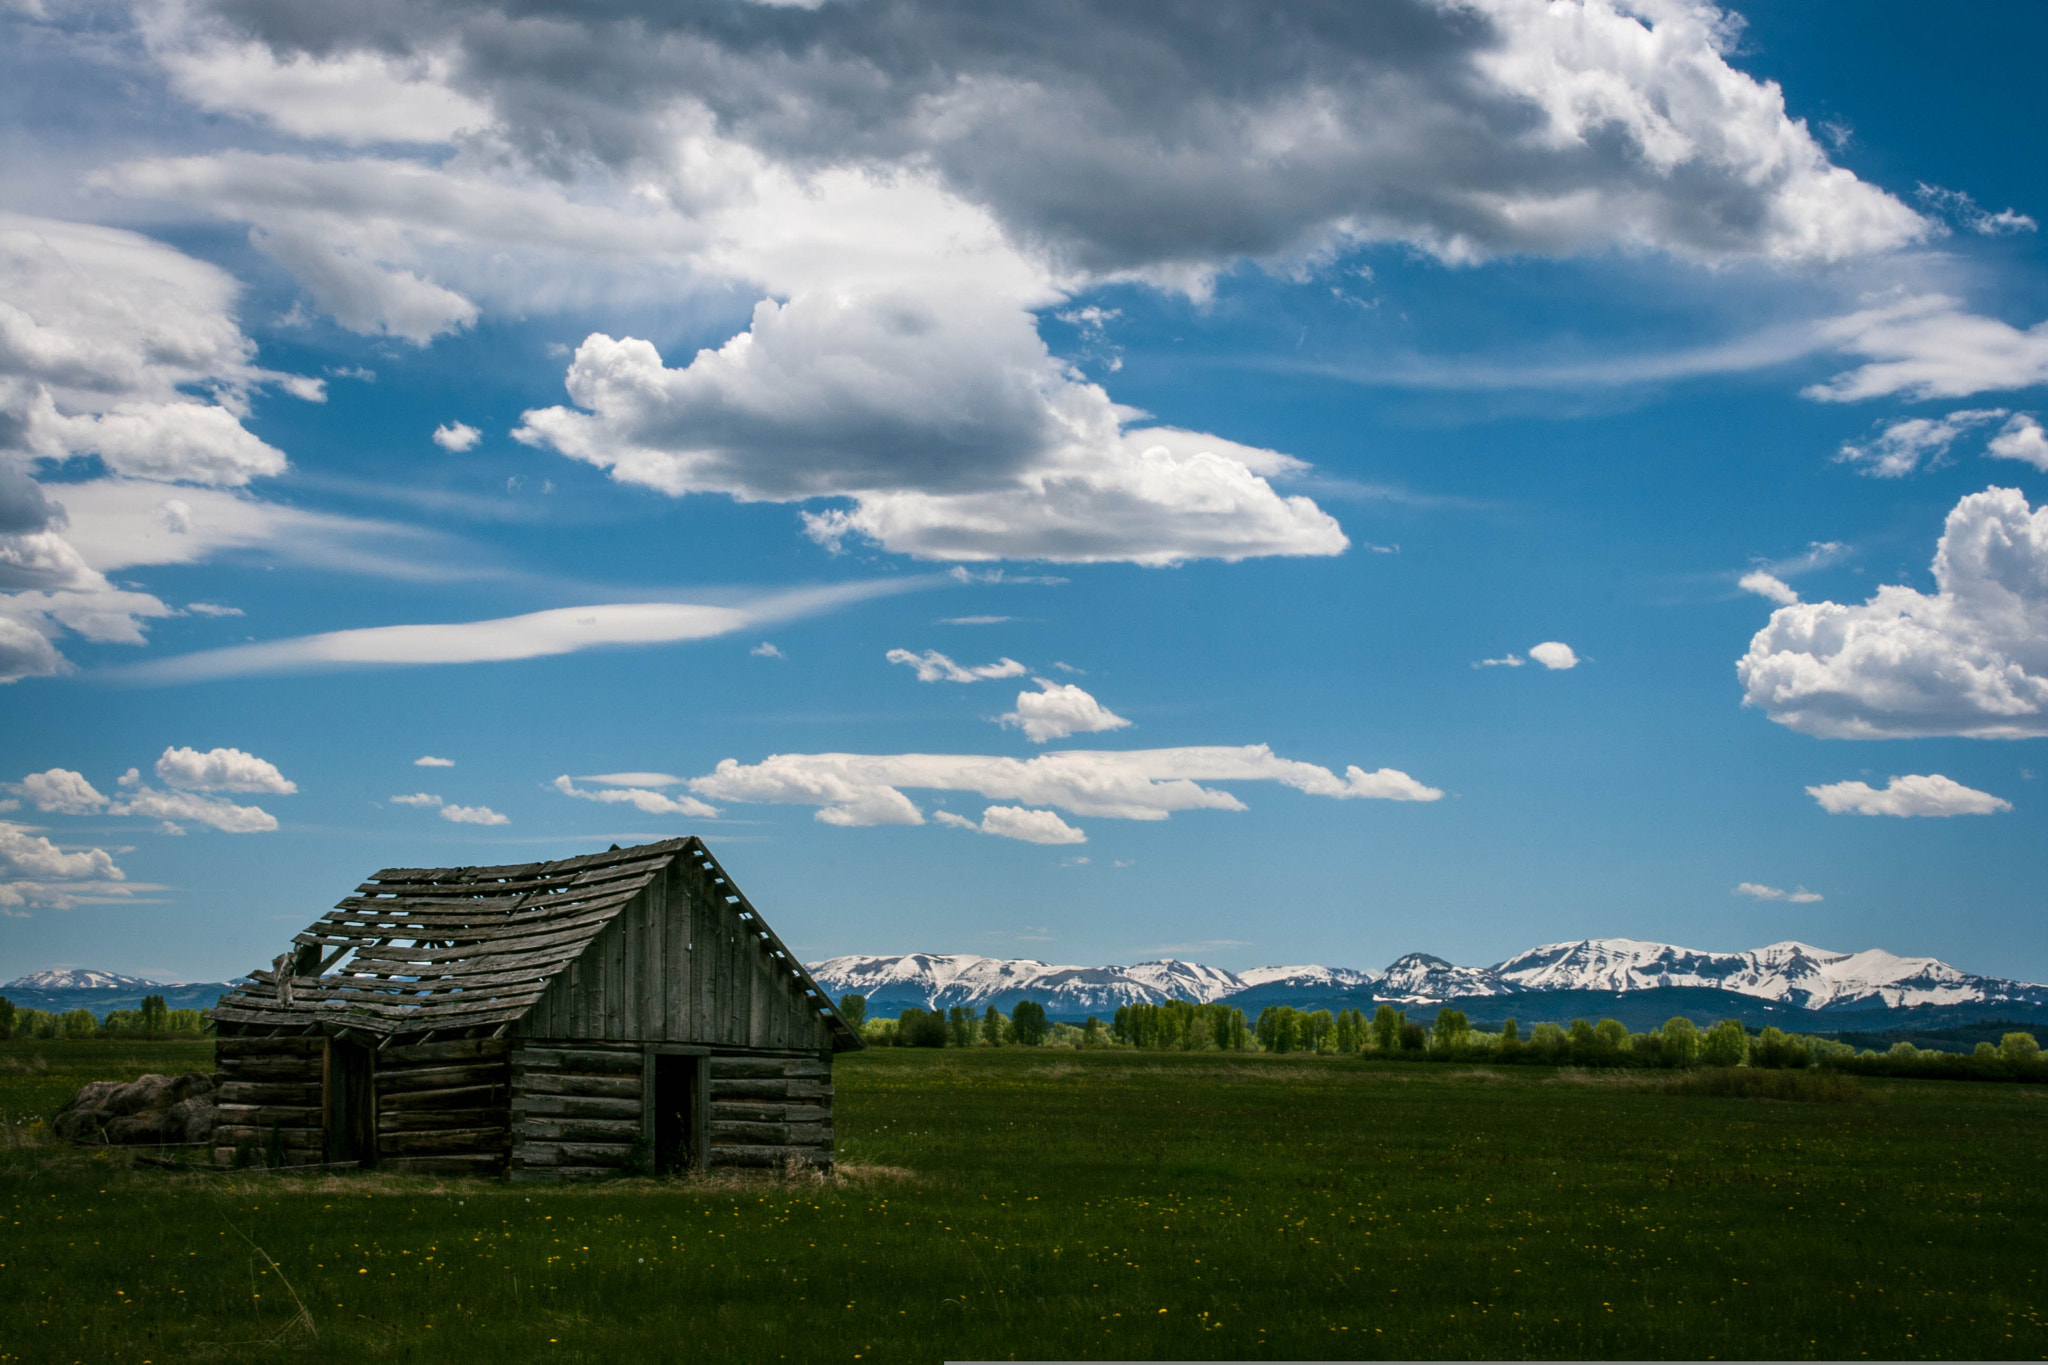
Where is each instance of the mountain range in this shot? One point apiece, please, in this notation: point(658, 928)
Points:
point(1589, 976)
point(70, 988)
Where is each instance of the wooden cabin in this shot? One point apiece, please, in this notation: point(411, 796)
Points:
point(627, 1011)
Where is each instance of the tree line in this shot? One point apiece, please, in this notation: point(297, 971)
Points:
point(1389, 1034)
point(154, 1019)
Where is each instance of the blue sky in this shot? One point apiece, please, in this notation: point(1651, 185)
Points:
point(1333, 483)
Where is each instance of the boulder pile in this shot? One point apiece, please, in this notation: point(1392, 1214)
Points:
point(149, 1110)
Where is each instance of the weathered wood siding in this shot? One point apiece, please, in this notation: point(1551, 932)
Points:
point(266, 1084)
point(768, 1110)
point(445, 1107)
point(681, 964)
point(576, 1109)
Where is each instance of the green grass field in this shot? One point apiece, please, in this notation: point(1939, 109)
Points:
point(1075, 1205)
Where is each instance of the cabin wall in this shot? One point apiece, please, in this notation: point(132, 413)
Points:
point(445, 1108)
point(678, 964)
point(270, 1084)
point(579, 1110)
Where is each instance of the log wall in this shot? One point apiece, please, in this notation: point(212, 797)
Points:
point(266, 1084)
point(445, 1107)
point(578, 1109)
point(769, 1109)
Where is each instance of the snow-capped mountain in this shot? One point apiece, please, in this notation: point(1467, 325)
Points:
point(77, 979)
point(1419, 978)
point(1795, 973)
point(946, 980)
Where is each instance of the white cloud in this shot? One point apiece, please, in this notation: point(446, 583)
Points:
point(933, 666)
point(1768, 585)
point(632, 779)
point(537, 634)
point(212, 609)
point(1903, 446)
point(766, 650)
point(1963, 210)
point(866, 789)
point(1509, 660)
point(417, 799)
point(1554, 654)
point(1057, 710)
point(1932, 794)
point(1030, 826)
point(218, 812)
point(1970, 659)
point(456, 437)
point(1757, 891)
point(976, 621)
point(2021, 439)
point(645, 801)
point(474, 815)
point(61, 792)
point(429, 761)
point(36, 872)
point(221, 770)
point(1929, 346)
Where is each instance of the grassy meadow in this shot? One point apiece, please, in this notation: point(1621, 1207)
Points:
point(1057, 1204)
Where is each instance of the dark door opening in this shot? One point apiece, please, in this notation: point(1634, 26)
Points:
point(676, 1101)
point(351, 1103)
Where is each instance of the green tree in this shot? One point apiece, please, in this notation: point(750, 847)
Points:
point(854, 1010)
point(1726, 1044)
point(916, 1028)
point(960, 1024)
point(992, 1028)
point(1027, 1022)
point(1092, 1034)
point(1414, 1038)
point(1548, 1040)
point(1318, 1031)
point(1450, 1029)
point(1987, 1048)
point(155, 1014)
point(1776, 1048)
point(2019, 1047)
point(1681, 1041)
point(80, 1023)
point(1510, 1033)
point(6, 1017)
point(1386, 1027)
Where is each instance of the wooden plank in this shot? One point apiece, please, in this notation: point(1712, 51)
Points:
point(446, 1140)
point(576, 1106)
point(767, 1155)
point(425, 1120)
point(455, 1049)
point(442, 1077)
point(620, 1061)
point(612, 1154)
point(455, 1097)
point(622, 1131)
point(770, 1113)
point(292, 1139)
point(563, 1175)
point(239, 1048)
point(569, 1083)
point(253, 1092)
point(551, 877)
point(263, 1115)
point(727, 1068)
point(295, 1067)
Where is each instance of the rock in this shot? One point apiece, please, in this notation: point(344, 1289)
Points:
point(150, 1109)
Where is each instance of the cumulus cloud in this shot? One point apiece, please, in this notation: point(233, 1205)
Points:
point(1969, 659)
point(35, 872)
point(641, 799)
point(933, 666)
point(766, 650)
point(221, 770)
point(2021, 439)
point(867, 789)
point(1029, 826)
point(429, 761)
point(456, 437)
point(1930, 346)
point(474, 815)
point(563, 630)
point(1757, 891)
point(1554, 654)
point(1057, 710)
point(1903, 446)
point(1932, 794)
point(954, 433)
point(417, 799)
point(60, 791)
point(197, 807)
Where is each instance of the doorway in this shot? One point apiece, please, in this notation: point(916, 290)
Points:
point(677, 1097)
point(351, 1103)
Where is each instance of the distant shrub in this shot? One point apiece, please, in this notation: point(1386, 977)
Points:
point(1798, 1086)
point(1027, 1023)
point(854, 1010)
point(2019, 1047)
point(917, 1028)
